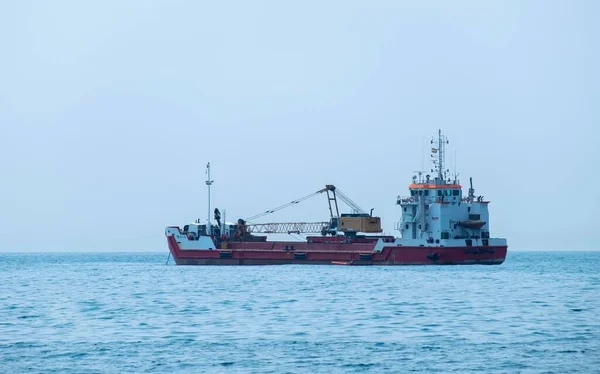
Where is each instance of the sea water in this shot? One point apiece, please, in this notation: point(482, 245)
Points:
point(539, 312)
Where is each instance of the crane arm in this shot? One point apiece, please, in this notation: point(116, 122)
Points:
point(288, 227)
point(335, 192)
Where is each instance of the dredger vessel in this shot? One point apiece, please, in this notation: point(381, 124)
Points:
point(439, 225)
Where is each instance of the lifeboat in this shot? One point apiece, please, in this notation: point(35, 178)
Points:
point(473, 223)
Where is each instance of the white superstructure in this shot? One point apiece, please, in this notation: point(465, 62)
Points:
point(436, 213)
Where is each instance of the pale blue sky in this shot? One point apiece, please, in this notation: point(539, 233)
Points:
point(109, 111)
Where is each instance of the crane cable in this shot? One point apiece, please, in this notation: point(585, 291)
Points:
point(293, 202)
point(349, 201)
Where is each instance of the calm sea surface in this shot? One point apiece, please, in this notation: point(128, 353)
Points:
point(539, 312)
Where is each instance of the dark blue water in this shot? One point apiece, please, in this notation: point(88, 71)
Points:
point(539, 312)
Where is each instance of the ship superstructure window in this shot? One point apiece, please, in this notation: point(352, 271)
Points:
point(440, 193)
point(426, 192)
point(455, 193)
point(413, 193)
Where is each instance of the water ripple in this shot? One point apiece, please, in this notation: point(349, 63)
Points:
point(106, 313)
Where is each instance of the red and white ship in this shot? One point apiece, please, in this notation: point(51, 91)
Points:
point(439, 226)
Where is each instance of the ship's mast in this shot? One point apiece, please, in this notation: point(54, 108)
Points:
point(440, 156)
point(209, 182)
point(439, 163)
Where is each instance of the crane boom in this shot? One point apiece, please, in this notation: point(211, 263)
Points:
point(336, 192)
point(288, 227)
point(359, 221)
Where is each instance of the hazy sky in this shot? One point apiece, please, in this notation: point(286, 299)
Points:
point(109, 111)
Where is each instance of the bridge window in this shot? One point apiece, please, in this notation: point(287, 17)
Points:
point(413, 193)
point(426, 192)
point(440, 193)
point(455, 193)
point(420, 192)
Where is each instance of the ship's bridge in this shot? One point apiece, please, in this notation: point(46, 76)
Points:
point(440, 192)
point(427, 186)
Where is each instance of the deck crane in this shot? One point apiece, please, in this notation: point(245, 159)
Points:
point(349, 224)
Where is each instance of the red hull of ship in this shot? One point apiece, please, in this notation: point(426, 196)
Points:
point(279, 253)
